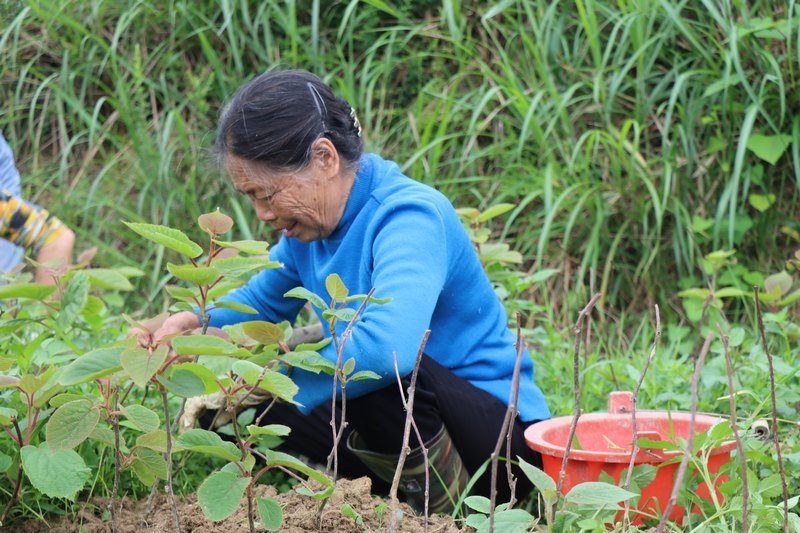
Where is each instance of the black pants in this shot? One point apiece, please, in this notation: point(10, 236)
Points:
point(472, 417)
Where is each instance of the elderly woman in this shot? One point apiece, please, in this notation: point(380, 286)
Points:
point(295, 150)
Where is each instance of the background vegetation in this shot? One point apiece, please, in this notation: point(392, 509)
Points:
point(635, 138)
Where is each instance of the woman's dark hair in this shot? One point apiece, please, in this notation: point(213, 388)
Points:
point(276, 117)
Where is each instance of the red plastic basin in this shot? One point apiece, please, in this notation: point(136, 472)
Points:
point(605, 444)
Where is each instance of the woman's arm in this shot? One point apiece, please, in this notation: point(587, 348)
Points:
point(37, 230)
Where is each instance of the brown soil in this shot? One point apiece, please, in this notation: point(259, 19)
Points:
point(300, 514)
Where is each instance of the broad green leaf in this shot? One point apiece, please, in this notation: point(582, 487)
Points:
point(468, 214)
point(345, 314)
point(510, 521)
point(499, 252)
point(32, 291)
point(183, 383)
point(236, 306)
point(494, 211)
point(731, 292)
point(270, 513)
point(248, 247)
point(215, 222)
point(761, 202)
point(5, 462)
point(349, 366)
point(279, 385)
point(104, 435)
point(146, 476)
point(241, 266)
point(782, 280)
point(151, 460)
point(308, 360)
point(6, 414)
point(695, 293)
point(59, 474)
point(208, 442)
point(184, 294)
point(544, 274)
point(199, 275)
point(31, 384)
point(92, 365)
point(71, 424)
point(543, 483)
point(206, 345)
point(73, 300)
point(364, 374)
point(170, 238)
point(336, 287)
point(598, 494)
point(141, 417)
point(141, 365)
point(305, 294)
point(264, 332)
point(768, 147)
point(478, 503)
point(276, 458)
point(278, 430)
point(8, 381)
point(6, 363)
point(204, 374)
point(155, 440)
point(720, 256)
point(642, 475)
point(105, 278)
point(220, 494)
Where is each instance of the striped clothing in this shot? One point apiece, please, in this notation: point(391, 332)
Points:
point(24, 224)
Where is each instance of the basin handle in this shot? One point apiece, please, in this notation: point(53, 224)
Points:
point(620, 402)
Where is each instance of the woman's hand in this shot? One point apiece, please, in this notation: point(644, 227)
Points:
point(160, 331)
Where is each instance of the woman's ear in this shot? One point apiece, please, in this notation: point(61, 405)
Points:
point(325, 157)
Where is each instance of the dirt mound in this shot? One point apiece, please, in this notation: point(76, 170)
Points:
point(300, 514)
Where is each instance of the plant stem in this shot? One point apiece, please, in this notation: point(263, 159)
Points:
point(419, 439)
point(577, 389)
point(249, 494)
point(774, 414)
point(117, 466)
point(18, 481)
point(168, 458)
point(635, 450)
point(505, 435)
point(405, 450)
point(688, 451)
point(333, 458)
point(739, 447)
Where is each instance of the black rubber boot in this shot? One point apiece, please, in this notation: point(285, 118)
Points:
point(447, 477)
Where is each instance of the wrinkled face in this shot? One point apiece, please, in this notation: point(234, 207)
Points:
point(305, 205)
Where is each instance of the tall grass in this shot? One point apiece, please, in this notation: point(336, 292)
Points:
point(614, 125)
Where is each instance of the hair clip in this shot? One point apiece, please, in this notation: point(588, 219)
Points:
point(356, 123)
point(319, 102)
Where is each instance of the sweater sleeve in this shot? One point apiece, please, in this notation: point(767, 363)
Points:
point(409, 265)
point(264, 293)
point(25, 225)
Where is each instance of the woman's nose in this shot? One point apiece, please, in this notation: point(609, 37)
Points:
point(264, 211)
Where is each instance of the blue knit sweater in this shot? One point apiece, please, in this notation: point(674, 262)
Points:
point(404, 239)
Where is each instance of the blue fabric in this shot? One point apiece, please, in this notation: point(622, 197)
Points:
point(404, 239)
point(10, 255)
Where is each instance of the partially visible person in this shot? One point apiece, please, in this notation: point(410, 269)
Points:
point(26, 226)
